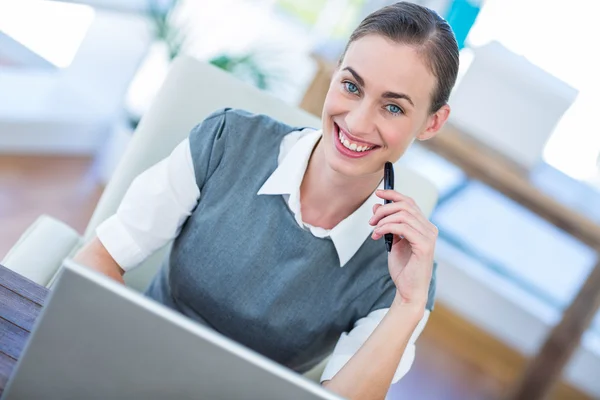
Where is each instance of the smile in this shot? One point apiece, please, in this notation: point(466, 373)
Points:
point(351, 147)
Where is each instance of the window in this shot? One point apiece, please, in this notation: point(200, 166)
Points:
point(52, 29)
point(557, 37)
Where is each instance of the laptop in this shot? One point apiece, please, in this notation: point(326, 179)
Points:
point(97, 339)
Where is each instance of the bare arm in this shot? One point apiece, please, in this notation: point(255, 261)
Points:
point(95, 256)
point(368, 374)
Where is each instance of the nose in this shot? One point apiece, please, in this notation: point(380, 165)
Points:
point(360, 121)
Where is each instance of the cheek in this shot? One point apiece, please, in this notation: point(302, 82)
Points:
point(398, 137)
point(335, 102)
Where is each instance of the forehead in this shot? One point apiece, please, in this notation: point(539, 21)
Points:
point(388, 66)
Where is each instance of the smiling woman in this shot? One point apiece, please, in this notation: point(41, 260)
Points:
point(276, 228)
point(385, 103)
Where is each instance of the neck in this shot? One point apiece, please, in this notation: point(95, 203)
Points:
point(327, 197)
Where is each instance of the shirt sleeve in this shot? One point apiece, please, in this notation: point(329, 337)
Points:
point(349, 343)
point(153, 209)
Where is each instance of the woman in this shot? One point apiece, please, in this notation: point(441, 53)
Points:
point(277, 228)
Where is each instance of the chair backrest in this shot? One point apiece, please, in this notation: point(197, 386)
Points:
point(192, 90)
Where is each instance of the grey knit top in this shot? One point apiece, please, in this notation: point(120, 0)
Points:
point(243, 266)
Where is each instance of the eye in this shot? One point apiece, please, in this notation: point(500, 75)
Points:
point(394, 109)
point(350, 87)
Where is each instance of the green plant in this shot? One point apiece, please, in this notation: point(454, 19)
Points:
point(165, 29)
point(244, 66)
point(174, 34)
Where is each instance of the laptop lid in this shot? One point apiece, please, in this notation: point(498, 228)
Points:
point(97, 339)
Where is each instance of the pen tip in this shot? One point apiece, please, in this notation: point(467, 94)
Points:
point(388, 246)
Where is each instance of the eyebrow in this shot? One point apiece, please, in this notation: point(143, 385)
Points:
point(386, 95)
point(392, 95)
point(356, 76)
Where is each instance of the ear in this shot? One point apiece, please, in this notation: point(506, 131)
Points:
point(434, 123)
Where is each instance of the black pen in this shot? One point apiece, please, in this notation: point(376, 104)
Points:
point(388, 184)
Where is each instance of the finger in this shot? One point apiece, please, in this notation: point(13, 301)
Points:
point(408, 205)
point(376, 206)
point(396, 239)
point(419, 243)
point(407, 218)
point(401, 230)
point(395, 197)
point(392, 208)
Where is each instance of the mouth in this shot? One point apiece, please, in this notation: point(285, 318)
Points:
point(351, 147)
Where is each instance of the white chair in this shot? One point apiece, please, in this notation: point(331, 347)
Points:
point(509, 103)
point(191, 91)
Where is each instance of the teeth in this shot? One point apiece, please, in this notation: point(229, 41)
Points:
point(352, 146)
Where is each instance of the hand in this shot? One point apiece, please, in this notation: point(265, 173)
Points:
point(410, 262)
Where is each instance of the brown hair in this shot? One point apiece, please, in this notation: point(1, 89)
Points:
point(430, 34)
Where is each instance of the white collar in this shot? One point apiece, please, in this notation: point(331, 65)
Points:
point(347, 236)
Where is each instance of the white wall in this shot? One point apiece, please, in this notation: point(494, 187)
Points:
point(72, 110)
point(16, 55)
point(135, 6)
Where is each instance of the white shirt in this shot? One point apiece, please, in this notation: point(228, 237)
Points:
point(160, 199)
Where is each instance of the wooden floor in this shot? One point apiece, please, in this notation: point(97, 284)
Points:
point(438, 373)
point(66, 188)
point(63, 187)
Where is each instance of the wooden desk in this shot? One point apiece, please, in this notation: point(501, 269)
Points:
point(21, 301)
point(482, 163)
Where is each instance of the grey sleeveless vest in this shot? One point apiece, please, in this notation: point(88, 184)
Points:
point(243, 266)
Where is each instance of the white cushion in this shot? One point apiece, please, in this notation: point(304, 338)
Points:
point(39, 252)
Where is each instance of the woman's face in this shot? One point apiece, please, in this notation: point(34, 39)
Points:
point(378, 102)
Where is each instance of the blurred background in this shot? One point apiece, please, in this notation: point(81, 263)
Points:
point(517, 167)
